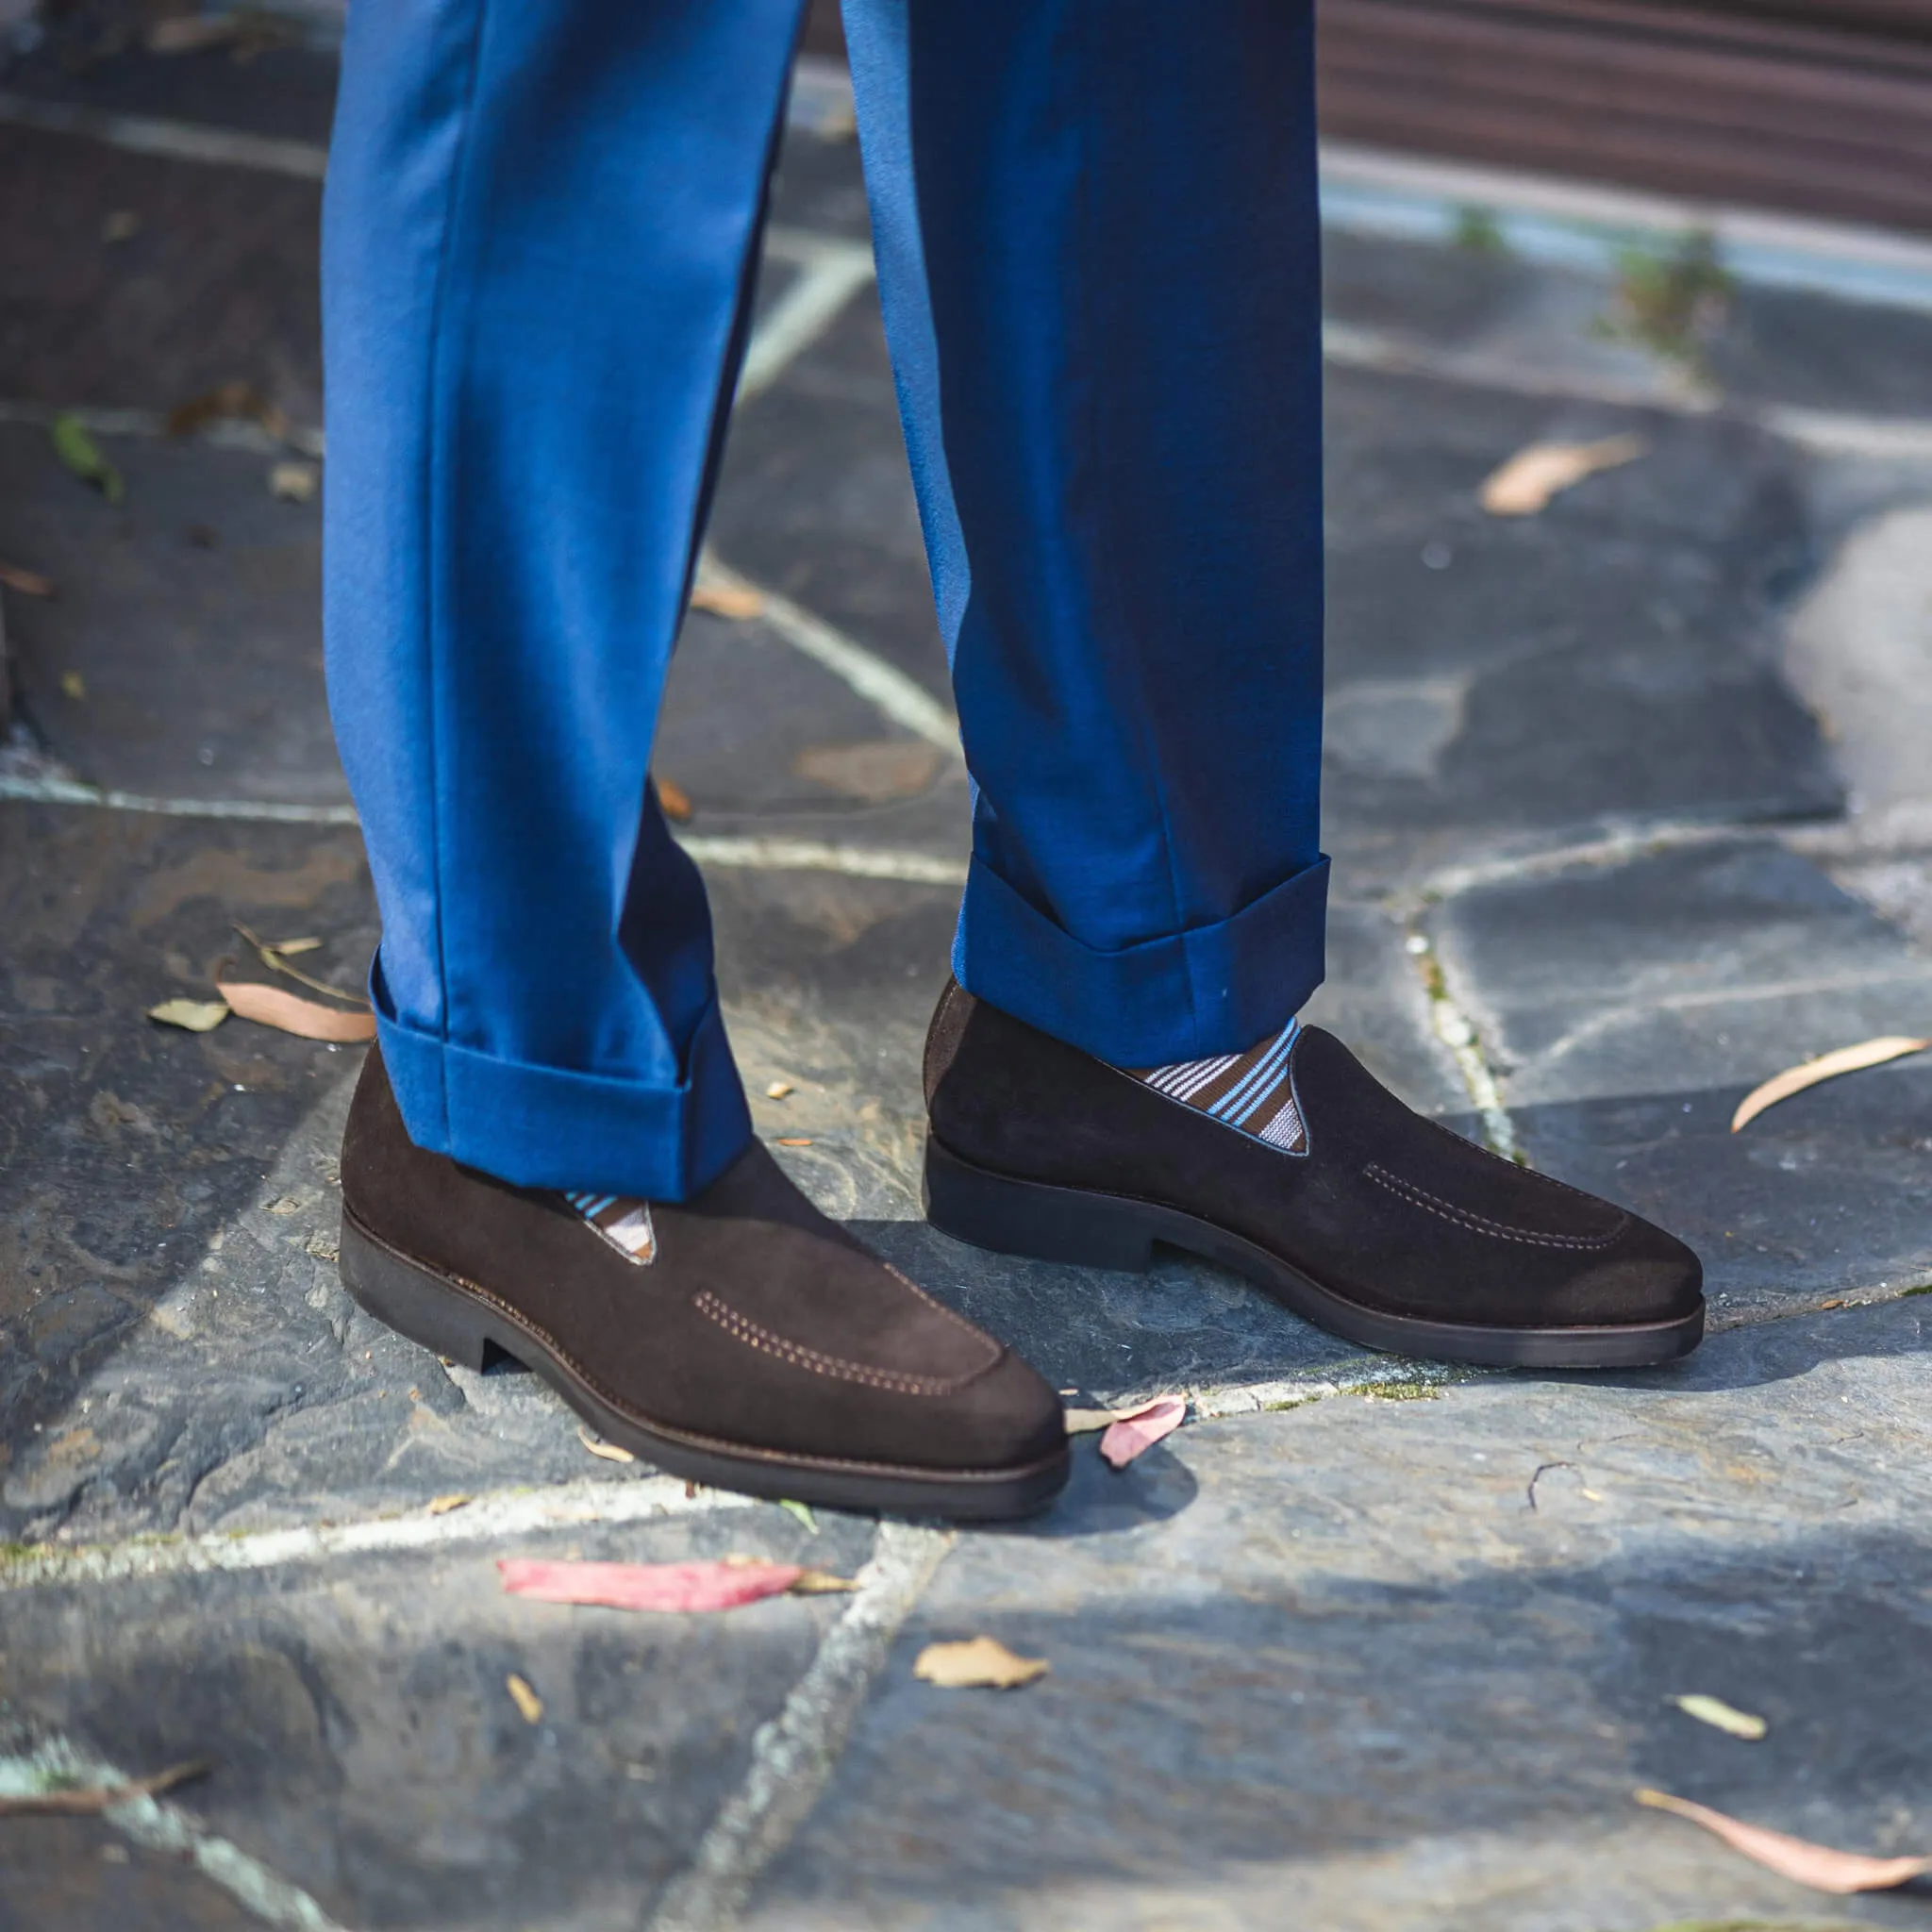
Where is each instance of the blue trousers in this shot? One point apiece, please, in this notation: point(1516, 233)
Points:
point(1098, 260)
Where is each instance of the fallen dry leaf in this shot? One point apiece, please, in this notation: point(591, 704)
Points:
point(526, 1700)
point(728, 600)
point(1797, 1858)
point(822, 1583)
point(78, 451)
point(1532, 477)
point(1123, 1441)
point(875, 772)
point(196, 1016)
point(29, 583)
point(269, 1006)
point(1084, 1422)
point(102, 1797)
point(981, 1663)
point(1722, 1716)
point(293, 482)
point(778, 1090)
point(1827, 1066)
point(228, 402)
point(275, 955)
point(441, 1506)
point(189, 33)
point(673, 801)
point(608, 1451)
point(680, 1587)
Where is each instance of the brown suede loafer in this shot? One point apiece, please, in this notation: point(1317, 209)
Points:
point(740, 1339)
point(1386, 1227)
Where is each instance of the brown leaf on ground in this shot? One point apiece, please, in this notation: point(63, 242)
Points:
point(673, 801)
point(778, 1090)
point(1139, 1433)
point(608, 1451)
point(981, 1663)
point(441, 1506)
point(728, 600)
point(189, 33)
point(102, 1797)
point(1722, 1716)
point(674, 1587)
point(525, 1700)
point(875, 772)
point(29, 583)
point(228, 402)
point(794, 1141)
point(1827, 1066)
point(1796, 1858)
point(1525, 485)
point(193, 1016)
point(269, 1006)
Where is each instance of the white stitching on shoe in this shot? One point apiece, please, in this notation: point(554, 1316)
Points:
point(1477, 1223)
point(749, 1332)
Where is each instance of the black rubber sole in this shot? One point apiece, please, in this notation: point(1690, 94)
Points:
point(442, 1315)
point(1095, 1230)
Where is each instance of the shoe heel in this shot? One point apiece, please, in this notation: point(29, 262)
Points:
point(411, 1302)
point(1045, 1224)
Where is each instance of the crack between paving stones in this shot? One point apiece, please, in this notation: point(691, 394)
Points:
point(794, 1755)
point(1455, 1030)
point(497, 1513)
point(29, 1767)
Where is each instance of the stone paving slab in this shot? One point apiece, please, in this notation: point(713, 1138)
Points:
point(1368, 1664)
point(1628, 1009)
point(128, 1148)
point(365, 1746)
point(218, 284)
point(806, 748)
point(79, 1874)
point(1526, 679)
point(814, 498)
point(191, 613)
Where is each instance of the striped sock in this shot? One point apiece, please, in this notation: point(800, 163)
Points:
point(1247, 1091)
point(624, 1224)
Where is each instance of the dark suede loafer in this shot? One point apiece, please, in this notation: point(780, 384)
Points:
point(741, 1340)
point(1386, 1229)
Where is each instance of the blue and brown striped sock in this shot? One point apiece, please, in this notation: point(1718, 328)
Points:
point(1249, 1092)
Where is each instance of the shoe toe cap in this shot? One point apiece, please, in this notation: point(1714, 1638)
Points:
point(1648, 1277)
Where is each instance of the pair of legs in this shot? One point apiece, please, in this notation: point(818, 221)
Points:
point(1097, 249)
point(1098, 258)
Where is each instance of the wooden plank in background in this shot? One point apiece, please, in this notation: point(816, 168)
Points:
point(1818, 109)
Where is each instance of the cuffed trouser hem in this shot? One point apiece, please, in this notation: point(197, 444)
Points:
point(545, 1128)
point(1215, 989)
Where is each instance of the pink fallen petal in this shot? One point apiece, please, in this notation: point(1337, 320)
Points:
point(648, 1586)
point(1136, 1433)
point(1818, 1866)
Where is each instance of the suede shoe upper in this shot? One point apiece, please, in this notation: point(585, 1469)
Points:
point(1383, 1206)
point(761, 1327)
